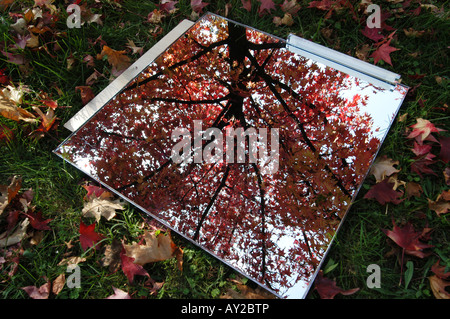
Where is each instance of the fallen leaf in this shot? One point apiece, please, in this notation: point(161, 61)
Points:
point(413, 189)
point(266, 6)
point(440, 270)
point(442, 203)
point(384, 193)
point(409, 239)
point(383, 167)
point(16, 237)
point(134, 48)
point(168, 6)
point(98, 207)
point(88, 236)
point(422, 129)
point(86, 93)
point(157, 247)
point(328, 289)
point(198, 5)
point(38, 293)
point(154, 17)
point(130, 268)
point(446, 173)
point(111, 256)
point(96, 192)
point(438, 287)
point(373, 34)
point(8, 193)
point(38, 222)
point(58, 284)
point(118, 59)
point(286, 20)
point(74, 260)
point(119, 294)
point(290, 7)
point(247, 5)
point(9, 98)
point(245, 292)
point(421, 166)
point(383, 53)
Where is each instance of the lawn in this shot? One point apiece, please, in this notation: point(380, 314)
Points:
point(48, 71)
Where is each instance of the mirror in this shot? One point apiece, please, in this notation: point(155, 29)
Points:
point(243, 147)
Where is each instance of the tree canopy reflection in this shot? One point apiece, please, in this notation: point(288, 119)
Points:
point(273, 227)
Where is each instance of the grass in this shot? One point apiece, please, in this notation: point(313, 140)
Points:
point(360, 242)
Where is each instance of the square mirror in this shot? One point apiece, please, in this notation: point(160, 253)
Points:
point(249, 146)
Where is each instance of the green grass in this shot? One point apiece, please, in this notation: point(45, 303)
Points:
point(360, 242)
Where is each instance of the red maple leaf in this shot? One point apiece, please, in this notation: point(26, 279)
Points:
point(266, 5)
point(421, 149)
point(129, 268)
point(420, 166)
point(384, 193)
point(88, 236)
point(409, 239)
point(38, 222)
point(372, 33)
point(382, 53)
point(167, 5)
point(198, 5)
point(327, 288)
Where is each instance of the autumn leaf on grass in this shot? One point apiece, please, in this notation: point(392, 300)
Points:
point(384, 193)
point(129, 268)
point(88, 236)
point(86, 93)
point(373, 34)
point(111, 256)
point(158, 247)
point(96, 192)
point(439, 281)
point(290, 7)
point(198, 5)
point(245, 292)
point(409, 239)
point(7, 239)
point(327, 288)
point(266, 6)
point(422, 130)
point(38, 222)
point(9, 99)
point(38, 293)
point(286, 20)
point(118, 59)
point(442, 203)
point(98, 207)
point(383, 53)
point(7, 193)
point(383, 167)
point(247, 5)
point(119, 294)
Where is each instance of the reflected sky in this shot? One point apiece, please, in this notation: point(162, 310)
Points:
point(274, 228)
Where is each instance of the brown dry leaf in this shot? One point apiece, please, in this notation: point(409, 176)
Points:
point(438, 287)
point(74, 260)
point(111, 258)
point(246, 292)
point(442, 204)
point(158, 246)
point(98, 207)
point(286, 20)
point(383, 167)
point(9, 98)
point(16, 237)
point(362, 52)
point(118, 59)
point(413, 189)
point(58, 284)
point(447, 175)
point(7, 193)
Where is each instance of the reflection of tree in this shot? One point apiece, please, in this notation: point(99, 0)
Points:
point(230, 76)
